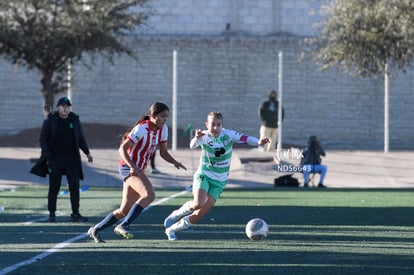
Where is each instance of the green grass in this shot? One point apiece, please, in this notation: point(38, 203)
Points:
point(312, 231)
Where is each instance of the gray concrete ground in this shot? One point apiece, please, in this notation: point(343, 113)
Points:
point(250, 168)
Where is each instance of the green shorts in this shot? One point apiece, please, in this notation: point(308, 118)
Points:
point(213, 187)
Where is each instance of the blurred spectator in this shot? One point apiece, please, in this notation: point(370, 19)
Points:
point(312, 162)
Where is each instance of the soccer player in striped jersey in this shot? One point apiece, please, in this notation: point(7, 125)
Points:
point(136, 148)
point(211, 176)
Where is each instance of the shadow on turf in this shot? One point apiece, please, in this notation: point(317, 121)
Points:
point(192, 260)
point(300, 242)
point(297, 244)
point(319, 215)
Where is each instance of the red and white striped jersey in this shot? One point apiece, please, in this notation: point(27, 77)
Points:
point(145, 140)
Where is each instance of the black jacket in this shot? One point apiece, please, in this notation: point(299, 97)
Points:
point(312, 154)
point(47, 140)
point(269, 116)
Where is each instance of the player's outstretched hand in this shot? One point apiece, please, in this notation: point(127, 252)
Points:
point(179, 165)
point(199, 133)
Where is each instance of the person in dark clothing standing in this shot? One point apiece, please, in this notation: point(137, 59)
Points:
point(269, 115)
point(312, 162)
point(61, 138)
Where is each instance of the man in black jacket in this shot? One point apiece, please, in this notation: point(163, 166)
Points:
point(61, 138)
point(269, 115)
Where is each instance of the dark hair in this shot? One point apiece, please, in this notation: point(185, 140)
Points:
point(217, 115)
point(312, 139)
point(155, 109)
point(313, 142)
point(272, 94)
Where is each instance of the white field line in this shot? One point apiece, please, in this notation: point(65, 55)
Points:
point(41, 219)
point(42, 255)
point(69, 241)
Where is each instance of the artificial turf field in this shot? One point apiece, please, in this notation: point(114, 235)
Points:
point(312, 231)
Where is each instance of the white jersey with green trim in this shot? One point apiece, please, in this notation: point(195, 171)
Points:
point(216, 152)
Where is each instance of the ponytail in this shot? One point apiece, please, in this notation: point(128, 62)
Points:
point(141, 119)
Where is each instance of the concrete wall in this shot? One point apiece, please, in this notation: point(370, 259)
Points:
point(228, 71)
point(231, 75)
point(213, 17)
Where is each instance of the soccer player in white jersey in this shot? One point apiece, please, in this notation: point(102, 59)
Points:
point(137, 146)
point(211, 176)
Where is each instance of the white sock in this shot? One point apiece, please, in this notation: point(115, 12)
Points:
point(182, 224)
point(184, 210)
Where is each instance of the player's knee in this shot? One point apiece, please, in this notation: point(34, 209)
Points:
point(151, 197)
point(148, 197)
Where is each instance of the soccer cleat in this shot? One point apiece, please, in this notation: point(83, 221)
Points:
point(93, 234)
point(171, 235)
point(78, 218)
point(123, 231)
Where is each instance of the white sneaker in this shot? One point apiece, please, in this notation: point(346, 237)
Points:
point(171, 235)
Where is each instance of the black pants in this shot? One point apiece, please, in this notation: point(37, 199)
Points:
point(57, 169)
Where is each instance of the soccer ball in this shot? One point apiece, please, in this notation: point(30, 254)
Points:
point(257, 229)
